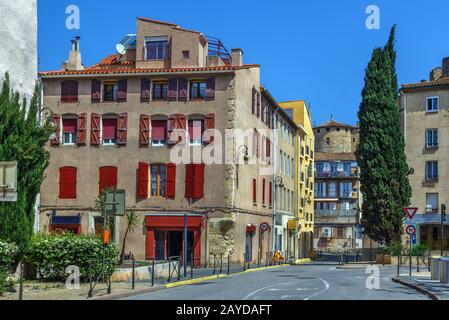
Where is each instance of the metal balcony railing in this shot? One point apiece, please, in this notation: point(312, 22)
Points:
point(336, 213)
point(338, 174)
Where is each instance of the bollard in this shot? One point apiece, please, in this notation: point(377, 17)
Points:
point(110, 285)
point(192, 265)
point(152, 274)
point(399, 264)
point(179, 266)
point(215, 259)
point(134, 274)
point(90, 294)
point(244, 261)
point(258, 259)
point(21, 282)
point(229, 262)
point(221, 263)
point(169, 270)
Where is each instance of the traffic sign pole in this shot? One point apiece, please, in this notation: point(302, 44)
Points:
point(410, 261)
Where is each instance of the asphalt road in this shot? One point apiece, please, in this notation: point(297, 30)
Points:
point(303, 282)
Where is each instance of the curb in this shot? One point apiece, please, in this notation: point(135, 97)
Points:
point(416, 287)
point(178, 284)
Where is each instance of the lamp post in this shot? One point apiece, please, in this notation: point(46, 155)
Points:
point(278, 182)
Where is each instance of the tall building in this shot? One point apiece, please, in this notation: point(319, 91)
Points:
point(119, 123)
point(18, 52)
point(304, 196)
point(424, 107)
point(337, 187)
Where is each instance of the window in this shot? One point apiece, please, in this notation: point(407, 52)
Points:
point(254, 191)
point(160, 90)
point(110, 92)
point(320, 189)
point(197, 90)
point(345, 189)
point(156, 48)
point(69, 131)
point(432, 104)
point(186, 54)
point(432, 203)
point(328, 141)
point(332, 189)
point(69, 91)
point(159, 132)
point(67, 183)
point(432, 171)
point(196, 130)
point(340, 233)
point(158, 180)
point(108, 178)
point(194, 187)
point(431, 138)
point(109, 131)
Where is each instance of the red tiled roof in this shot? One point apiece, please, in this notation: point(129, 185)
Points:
point(334, 124)
point(426, 84)
point(110, 65)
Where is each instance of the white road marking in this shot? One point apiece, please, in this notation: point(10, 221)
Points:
point(326, 287)
point(333, 268)
point(266, 288)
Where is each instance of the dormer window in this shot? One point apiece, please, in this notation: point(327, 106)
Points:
point(156, 48)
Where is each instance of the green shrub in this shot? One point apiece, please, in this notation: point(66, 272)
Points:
point(7, 254)
point(51, 255)
point(397, 248)
point(420, 250)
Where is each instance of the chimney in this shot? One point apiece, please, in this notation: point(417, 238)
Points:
point(436, 74)
point(74, 62)
point(446, 67)
point(237, 57)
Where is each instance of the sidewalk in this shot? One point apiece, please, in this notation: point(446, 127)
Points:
point(422, 282)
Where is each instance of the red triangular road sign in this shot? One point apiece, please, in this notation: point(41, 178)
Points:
point(410, 212)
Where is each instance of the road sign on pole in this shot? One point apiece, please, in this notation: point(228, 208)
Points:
point(411, 230)
point(410, 212)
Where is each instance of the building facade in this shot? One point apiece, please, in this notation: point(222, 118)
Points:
point(425, 106)
point(337, 187)
point(304, 180)
point(148, 120)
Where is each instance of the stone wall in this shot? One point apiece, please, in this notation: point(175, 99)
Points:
point(18, 51)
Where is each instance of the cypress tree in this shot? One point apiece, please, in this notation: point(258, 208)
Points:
point(381, 151)
point(22, 139)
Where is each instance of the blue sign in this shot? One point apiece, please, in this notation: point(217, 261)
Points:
point(414, 239)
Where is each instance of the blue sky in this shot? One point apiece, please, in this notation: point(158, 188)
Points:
point(312, 50)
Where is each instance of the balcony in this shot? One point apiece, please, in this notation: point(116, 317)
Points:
point(336, 213)
point(337, 174)
point(432, 178)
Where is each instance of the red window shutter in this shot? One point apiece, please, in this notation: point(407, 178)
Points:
point(96, 91)
point(263, 191)
point(268, 149)
point(171, 180)
point(270, 195)
point(122, 130)
point(258, 103)
point(198, 184)
point(258, 144)
point(69, 91)
point(183, 89)
point(142, 183)
point(82, 128)
point(190, 174)
point(145, 90)
point(122, 90)
point(254, 191)
point(210, 128)
point(57, 124)
point(67, 183)
point(177, 125)
point(144, 130)
point(254, 101)
point(95, 129)
point(171, 127)
point(108, 178)
point(172, 89)
point(210, 89)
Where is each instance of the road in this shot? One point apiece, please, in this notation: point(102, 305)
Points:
point(304, 282)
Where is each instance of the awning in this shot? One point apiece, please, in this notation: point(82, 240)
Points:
point(65, 220)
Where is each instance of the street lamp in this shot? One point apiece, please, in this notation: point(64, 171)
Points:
point(279, 182)
point(48, 114)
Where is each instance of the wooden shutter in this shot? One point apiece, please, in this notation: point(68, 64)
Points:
point(108, 178)
point(268, 149)
point(122, 90)
point(145, 90)
point(270, 195)
point(254, 101)
point(171, 127)
point(57, 125)
point(210, 128)
point(122, 129)
point(183, 89)
point(67, 183)
point(254, 191)
point(198, 183)
point(96, 91)
point(258, 103)
point(177, 125)
point(210, 89)
point(263, 191)
point(142, 181)
point(173, 89)
point(190, 174)
point(82, 129)
point(171, 180)
point(95, 129)
point(69, 91)
point(144, 130)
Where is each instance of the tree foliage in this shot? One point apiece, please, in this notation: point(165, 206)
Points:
point(22, 139)
point(381, 151)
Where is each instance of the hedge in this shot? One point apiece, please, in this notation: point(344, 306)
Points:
point(7, 255)
point(50, 255)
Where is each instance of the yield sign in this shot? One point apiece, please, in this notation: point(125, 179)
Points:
point(411, 212)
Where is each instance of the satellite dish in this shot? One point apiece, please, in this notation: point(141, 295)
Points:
point(128, 42)
point(121, 49)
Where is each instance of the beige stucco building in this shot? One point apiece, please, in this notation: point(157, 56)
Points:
point(425, 106)
point(119, 123)
point(337, 187)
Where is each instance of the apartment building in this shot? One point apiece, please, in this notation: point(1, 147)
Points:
point(118, 123)
point(425, 108)
point(305, 146)
point(337, 187)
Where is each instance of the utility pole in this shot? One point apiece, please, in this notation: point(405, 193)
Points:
point(443, 218)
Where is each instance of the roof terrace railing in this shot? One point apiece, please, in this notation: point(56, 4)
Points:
point(217, 48)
